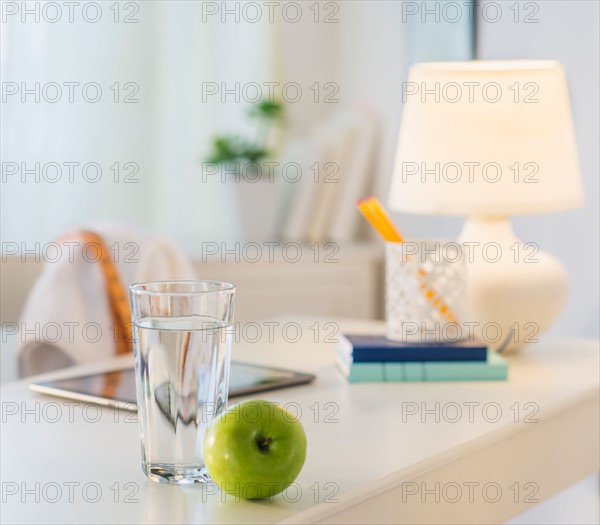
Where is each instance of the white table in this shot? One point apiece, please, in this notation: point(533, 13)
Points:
point(371, 459)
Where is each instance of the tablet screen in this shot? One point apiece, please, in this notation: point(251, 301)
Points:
point(119, 385)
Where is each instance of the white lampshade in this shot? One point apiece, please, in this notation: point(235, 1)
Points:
point(486, 138)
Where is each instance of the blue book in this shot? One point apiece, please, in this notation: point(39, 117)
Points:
point(495, 368)
point(379, 349)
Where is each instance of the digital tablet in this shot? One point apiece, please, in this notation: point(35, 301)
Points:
point(117, 388)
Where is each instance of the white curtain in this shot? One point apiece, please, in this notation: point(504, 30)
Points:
point(162, 61)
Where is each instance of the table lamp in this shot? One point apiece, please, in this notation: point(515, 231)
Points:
point(485, 140)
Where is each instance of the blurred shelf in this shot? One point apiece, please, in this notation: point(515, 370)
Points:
point(330, 279)
point(327, 279)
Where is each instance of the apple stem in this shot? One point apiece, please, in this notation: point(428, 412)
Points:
point(263, 443)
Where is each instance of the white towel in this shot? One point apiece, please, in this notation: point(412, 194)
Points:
point(67, 318)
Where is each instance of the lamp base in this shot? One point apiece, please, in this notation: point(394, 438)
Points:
point(513, 288)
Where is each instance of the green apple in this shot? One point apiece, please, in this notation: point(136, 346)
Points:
point(255, 449)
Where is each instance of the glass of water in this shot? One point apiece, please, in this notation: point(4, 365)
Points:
point(182, 348)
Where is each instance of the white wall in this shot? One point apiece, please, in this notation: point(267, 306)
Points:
point(370, 70)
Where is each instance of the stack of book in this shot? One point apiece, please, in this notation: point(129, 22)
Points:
point(375, 359)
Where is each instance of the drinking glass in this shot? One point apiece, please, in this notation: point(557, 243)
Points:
point(182, 348)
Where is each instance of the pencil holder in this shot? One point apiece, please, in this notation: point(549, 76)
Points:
point(425, 291)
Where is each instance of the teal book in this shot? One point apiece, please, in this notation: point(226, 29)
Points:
point(494, 368)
